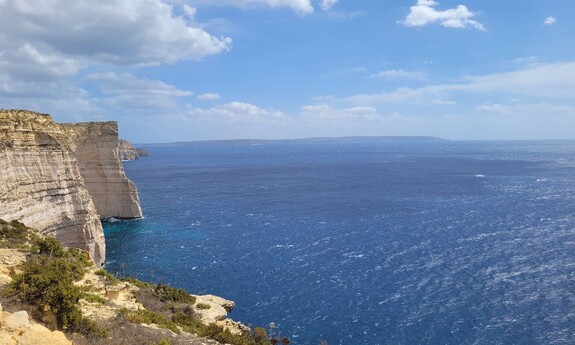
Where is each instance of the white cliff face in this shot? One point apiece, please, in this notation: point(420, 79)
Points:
point(41, 184)
point(96, 146)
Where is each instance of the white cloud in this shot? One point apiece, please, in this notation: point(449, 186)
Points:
point(550, 20)
point(300, 6)
point(540, 81)
point(443, 102)
point(129, 32)
point(326, 5)
point(326, 112)
point(127, 91)
point(46, 44)
point(545, 80)
point(398, 74)
point(424, 13)
point(237, 112)
point(524, 109)
point(208, 97)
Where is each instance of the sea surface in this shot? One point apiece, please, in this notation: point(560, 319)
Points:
point(364, 241)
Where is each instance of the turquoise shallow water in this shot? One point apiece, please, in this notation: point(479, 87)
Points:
point(364, 241)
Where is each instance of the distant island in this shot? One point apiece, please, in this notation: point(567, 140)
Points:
point(343, 140)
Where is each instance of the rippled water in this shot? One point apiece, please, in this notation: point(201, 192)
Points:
point(365, 242)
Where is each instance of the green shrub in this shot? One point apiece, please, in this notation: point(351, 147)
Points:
point(189, 323)
point(259, 336)
point(16, 235)
point(167, 293)
point(149, 317)
point(109, 277)
point(89, 328)
point(48, 284)
point(93, 298)
point(137, 282)
point(203, 306)
point(49, 246)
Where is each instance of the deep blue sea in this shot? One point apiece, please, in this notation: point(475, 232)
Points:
point(364, 241)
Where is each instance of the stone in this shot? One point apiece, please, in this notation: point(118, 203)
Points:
point(40, 335)
point(17, 321)
point(225, 303)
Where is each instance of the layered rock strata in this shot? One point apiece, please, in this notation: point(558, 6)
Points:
point(96, 146)
point(41, 184)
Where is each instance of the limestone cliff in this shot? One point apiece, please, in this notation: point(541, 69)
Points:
point(96, 146)
point(129, 153)
point(41, 184)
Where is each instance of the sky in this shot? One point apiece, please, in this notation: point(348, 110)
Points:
point(185, 70)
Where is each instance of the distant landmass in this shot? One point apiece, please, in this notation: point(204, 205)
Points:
point(348, 139)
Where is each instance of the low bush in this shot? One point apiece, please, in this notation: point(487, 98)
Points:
point(109, 276)
point(149, 317)
point(203, 306)
point(16, 235)
point(137, 282)
point(49, 246)
point(169, 294)
point(93, 298)
point(46, 281)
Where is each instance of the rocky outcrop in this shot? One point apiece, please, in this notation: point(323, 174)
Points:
point(41, 184)
point(129, 153)
point(18, 329)
point(96, 146)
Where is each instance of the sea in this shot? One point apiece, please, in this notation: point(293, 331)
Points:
point(364, 240)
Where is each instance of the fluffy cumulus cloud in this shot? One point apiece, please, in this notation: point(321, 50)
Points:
point(424, 13)
point(550, 21)
point(45, 45)
point(129, 32)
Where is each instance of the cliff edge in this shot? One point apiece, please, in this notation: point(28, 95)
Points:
point(96, 146)
point(41, 183)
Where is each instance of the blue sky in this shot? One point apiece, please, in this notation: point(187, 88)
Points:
point(180, 70)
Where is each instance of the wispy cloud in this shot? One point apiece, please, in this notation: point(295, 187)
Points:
point(423, 13)
point(237, 112)
point(395, 74)
point(301, 6)
point(208, 97)
point(326, 5)
point(541, 81)
point(550, 20)
point(126, 91)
